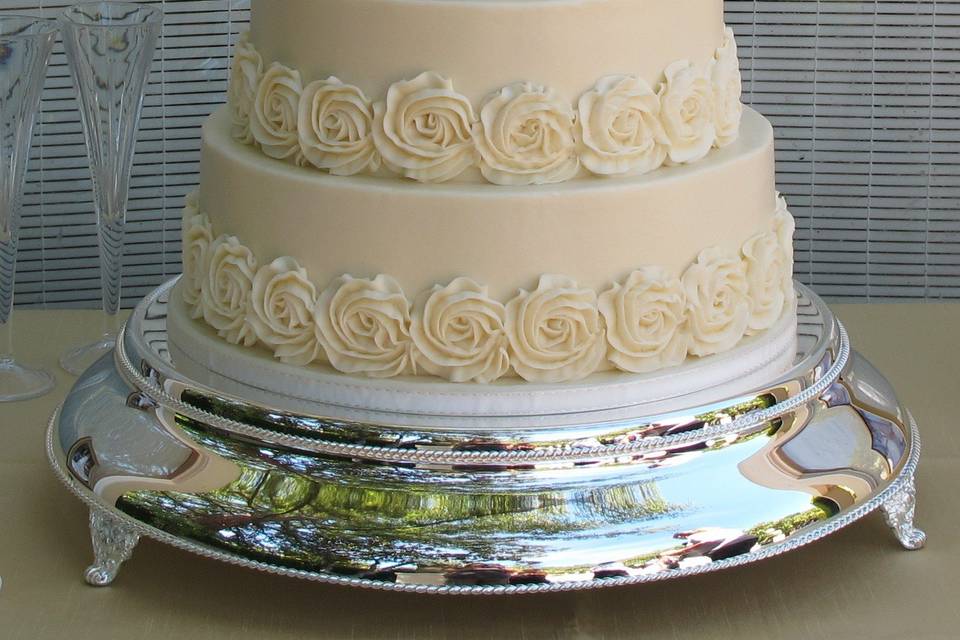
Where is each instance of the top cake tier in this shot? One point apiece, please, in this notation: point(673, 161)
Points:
point(513, 92)
point(483, 45)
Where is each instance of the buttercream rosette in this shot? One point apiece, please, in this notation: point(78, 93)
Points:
point(526, 135)
point(245, 75)
point(765, 267)
point(364, 326)
point(718, 301)
point(459, 333)
point(620, 128)
point(335, 125)
point(556, 331)
point(727, 91)
point(197, 238)
point(646, 321)
point(282, 306)
point(785, 227)
point(226, 290)
point(687, 112)
point(273, 122)
point(423, 129)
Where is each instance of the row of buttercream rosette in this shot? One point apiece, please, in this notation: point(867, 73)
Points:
point(524, 134)
point(558, 332)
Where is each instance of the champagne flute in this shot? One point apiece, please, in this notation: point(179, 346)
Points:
point(25, 45)
point(109, 47)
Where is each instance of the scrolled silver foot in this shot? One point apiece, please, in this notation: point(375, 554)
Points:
point(113, 544)
point(899, 511)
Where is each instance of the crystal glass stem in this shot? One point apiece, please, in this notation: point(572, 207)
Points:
point(110, 232)
point(25, 45)
point(109, 47)
point(8, 260)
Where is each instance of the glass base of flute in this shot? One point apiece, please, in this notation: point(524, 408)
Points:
point(18, 381)
point(78, 359)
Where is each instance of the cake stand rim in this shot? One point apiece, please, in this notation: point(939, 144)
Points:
point(538, 443)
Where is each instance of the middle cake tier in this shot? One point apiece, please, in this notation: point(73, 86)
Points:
point(596, 232)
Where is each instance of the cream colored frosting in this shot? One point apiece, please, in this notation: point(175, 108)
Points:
point(646, 321)
point(727, 91)
point(422, 129)
point(197, 238)
point(785, 226)
point(201, 354)
point(273, 122)
point(687, 112)
point(718, 301)
point(620, 128)
point(596, 231)
point(335, 125)
point(459, 334)
point(558, 332)
point(765, 262)
point(483, 46)
point(542, 276)
point(364, 326)
point(527, 133)
point(245, 76)
point(226, 289)
point(282, 303)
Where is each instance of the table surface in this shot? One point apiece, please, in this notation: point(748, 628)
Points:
point(857, 583)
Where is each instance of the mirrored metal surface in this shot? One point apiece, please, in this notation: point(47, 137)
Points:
point(747, 480)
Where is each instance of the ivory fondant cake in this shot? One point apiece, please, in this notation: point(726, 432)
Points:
point(486, 191)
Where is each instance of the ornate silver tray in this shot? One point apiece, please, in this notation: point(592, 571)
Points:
point(495, 506)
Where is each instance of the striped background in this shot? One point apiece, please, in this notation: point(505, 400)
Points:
point(865, 97)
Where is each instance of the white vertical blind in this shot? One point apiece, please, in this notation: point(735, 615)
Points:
point(865, 98)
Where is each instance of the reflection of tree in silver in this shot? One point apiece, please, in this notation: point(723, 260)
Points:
point(771, 532)
point(320, 514)
point(705, 545)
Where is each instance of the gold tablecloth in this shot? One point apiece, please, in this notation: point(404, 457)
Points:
point(855, 584)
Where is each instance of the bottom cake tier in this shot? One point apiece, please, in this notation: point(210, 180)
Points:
point(204, 356)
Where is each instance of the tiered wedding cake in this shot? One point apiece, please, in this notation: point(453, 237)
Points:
point(521, 197)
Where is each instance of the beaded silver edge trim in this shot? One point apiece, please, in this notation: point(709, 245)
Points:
point(809, 535)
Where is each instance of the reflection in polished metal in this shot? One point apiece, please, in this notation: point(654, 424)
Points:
point(496, 506)
point(113, 544)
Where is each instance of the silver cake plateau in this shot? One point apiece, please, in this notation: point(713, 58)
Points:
point(491, 506)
